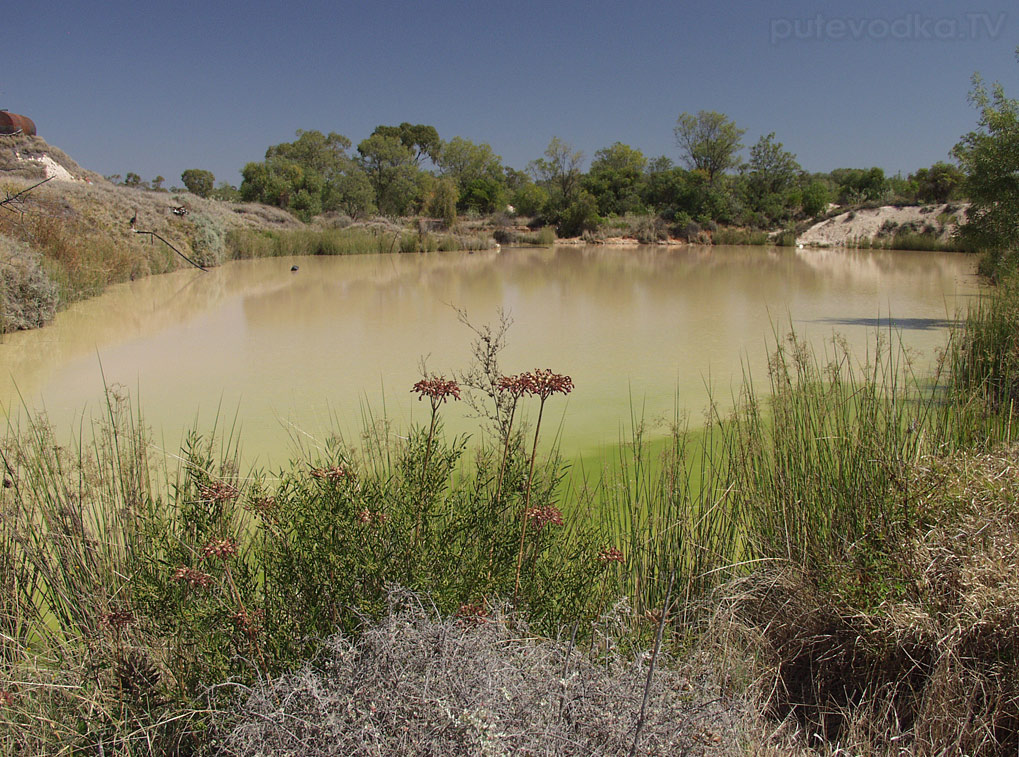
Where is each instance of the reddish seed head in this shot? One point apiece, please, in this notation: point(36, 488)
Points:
point(261, 505)
point(471, 614)
point(6, 698)
point(437, 389)
point(216, 491)
point(543, 516)
point(192, 577)
point(221, 548)
point(334, 473)
point(248, 623)
point(543, 383)
point(514, 385)
point(611, 554)
point(118, 618)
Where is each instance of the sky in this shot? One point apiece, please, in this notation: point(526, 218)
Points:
point(160, 87)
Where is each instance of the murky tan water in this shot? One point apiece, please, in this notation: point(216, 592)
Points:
point(303, 353)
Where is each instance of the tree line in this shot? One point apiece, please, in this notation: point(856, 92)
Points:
point(409, 170)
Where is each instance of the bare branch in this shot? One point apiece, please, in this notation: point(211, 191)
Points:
point(161, 239)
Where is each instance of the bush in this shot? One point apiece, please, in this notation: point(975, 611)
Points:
point(198, 181)
point(28, 299)
point(476, 682)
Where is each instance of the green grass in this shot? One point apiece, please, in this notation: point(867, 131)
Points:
point(355, 240)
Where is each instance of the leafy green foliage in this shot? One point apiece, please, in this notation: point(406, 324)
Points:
point(937, 183)
point(770, 176)
point(857, 185)
point(709, 142)
point(392, 170)
point(308, 176)
point(422, 140)
point(198, 181)
point(477, 173)
point(989, 156)
point(816, 198)
point(615, 179)
point(442, 203)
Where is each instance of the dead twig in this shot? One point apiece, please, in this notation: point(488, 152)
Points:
point(12, 198)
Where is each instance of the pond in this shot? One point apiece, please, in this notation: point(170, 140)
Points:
point(297, 355)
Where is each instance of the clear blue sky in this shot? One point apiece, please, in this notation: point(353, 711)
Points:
point(157, 88)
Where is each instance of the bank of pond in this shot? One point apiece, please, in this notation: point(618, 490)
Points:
point(152, 596)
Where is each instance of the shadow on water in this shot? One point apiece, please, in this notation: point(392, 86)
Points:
point(913, 324)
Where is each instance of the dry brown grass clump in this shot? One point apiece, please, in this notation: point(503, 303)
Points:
point(933, 668)
point(477, 685)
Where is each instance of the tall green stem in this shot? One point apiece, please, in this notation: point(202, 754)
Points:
point(527, 500)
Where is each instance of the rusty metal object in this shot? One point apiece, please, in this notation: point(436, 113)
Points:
point(12, 123)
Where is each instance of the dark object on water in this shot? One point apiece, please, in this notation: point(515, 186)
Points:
point(293, 268)
point(12, 123)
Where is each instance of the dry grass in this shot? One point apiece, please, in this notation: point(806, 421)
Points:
point(416, 684)
point(934, 669)
point(81, 229)
point(19, 159)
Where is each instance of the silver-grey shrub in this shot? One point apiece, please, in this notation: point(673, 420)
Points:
point(416, 684)
point(28, 298)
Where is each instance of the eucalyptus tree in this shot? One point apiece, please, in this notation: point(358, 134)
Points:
point(709, 142)
point(392, 169)
point(421, 139)
point(477, 173)
point(312, 174)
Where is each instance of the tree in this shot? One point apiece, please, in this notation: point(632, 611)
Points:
point(771, 169)
point(198, 181)
point(859, 184)
point(442, 203)
point(770, 176)
point(157, 183)
point(559, 170)
point(477, 172)
point(422, 140)
point(226, 191)
point(326, 154)
point(312, 174)
point(615, 177)
point(989, 157)
point(816, 198)
point(529, 199)
point(132, 180)
point(937, 183)
point(285, 184)
point(709, 141)
point(392, 170)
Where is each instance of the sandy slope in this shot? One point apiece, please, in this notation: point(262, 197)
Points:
point(867, 223)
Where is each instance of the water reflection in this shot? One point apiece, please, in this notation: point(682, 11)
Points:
point(633, 325)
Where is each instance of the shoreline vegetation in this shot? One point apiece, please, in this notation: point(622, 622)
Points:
point(827, 568)
point(79, 232)
point(798, 561)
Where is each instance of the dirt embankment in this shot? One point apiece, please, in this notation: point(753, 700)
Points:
point(70, 237)
point(870, 224)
